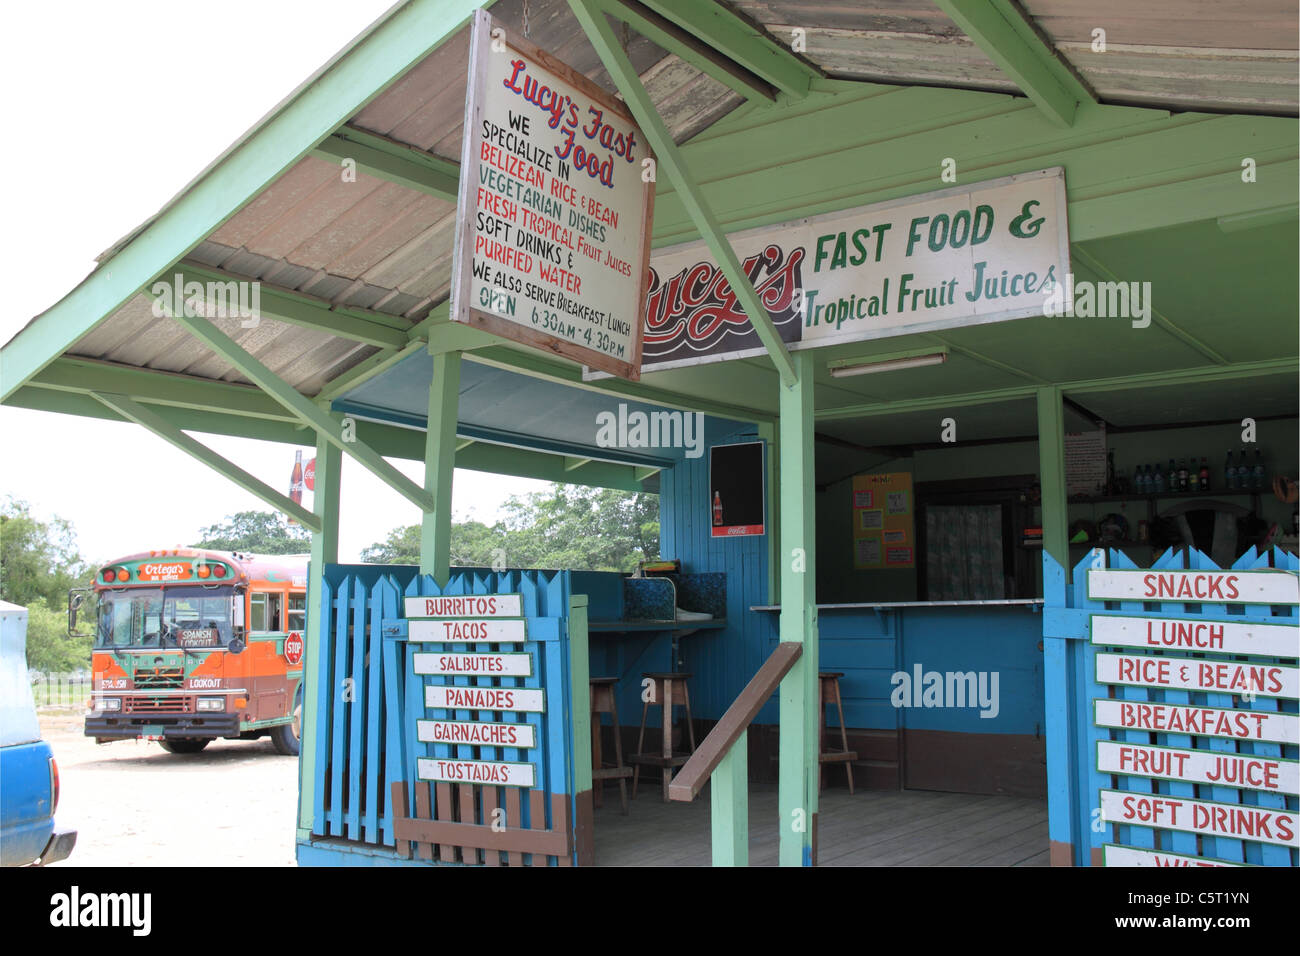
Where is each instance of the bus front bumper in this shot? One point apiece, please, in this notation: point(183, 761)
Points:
point(137, 726)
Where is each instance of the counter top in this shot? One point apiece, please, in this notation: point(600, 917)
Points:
point(1026, 602)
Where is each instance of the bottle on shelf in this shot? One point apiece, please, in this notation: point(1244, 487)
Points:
point(1257, 473)
point(1243, 473)
point(1205, 474)
point(1182, 474)
point(1229, 474)
point(1173, 475)
point(1158, 480)
point(1139, 480)
point(1193, 476)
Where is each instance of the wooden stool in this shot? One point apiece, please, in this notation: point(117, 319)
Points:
point(602, 702)
point(667, 691)
point(830, 693)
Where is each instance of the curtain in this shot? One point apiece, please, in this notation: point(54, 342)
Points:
point(963, 547)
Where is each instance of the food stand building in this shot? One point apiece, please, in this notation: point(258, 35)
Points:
point(914, 482)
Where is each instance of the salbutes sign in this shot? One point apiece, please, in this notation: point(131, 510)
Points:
point(962, 256)
point(555, 206)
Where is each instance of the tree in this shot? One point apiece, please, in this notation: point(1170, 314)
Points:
point(596, 529)
point(257, 532)
point(39, 563)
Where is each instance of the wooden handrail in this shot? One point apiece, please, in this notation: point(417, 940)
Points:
point(690, 780)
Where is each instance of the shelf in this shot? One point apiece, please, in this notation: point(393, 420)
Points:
point(1165, 495)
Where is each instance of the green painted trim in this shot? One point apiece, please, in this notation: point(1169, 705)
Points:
point(392, 162)
point(1001, 31)
point(165, 430)
point(448, 336)
point(729, 803)
point(800, 690)
point(83, 376)
point(464, 443)
point(739, 41)
point(366, 370)
point(537, 366)
point(641, 474)
point(229, 350)
point(767, 435)
point(1256, 220)
point(1051, 475)
point(580, 691)
point(690, 48)
point(689, 193)
point(324, 550)
point(303, 311)
point(573, 464)
point(439, 466)
point(338, 91)
point(983, 359)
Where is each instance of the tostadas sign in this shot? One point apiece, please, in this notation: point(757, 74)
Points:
point(554, 210)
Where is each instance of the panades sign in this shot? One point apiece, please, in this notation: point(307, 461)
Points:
point(962, 256)
point(555, 207)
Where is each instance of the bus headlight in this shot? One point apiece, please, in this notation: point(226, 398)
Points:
point(208, 704)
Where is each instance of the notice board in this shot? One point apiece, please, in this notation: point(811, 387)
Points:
point(884, 529)
point(555, 207)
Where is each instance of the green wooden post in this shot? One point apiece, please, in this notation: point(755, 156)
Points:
point(1051, 475)
point(580, 726)
point(440, 465)
point(799, 689)
point(324, 550)
point(729, 796)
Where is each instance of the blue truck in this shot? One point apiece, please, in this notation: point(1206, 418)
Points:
point(29, 776)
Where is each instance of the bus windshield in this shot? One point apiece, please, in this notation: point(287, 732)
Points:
point(195, 617)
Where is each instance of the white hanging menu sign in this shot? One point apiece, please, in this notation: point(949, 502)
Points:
point(465, 605)
point(554, 215)
point(1248, 636)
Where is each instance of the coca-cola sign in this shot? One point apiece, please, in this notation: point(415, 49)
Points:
point(966, 255)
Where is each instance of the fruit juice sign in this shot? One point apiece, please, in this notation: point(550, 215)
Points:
point(555, 207)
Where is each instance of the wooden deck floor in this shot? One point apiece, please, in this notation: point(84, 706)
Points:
point(870, 828)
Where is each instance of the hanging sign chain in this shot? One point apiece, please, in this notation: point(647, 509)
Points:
point(525, 19)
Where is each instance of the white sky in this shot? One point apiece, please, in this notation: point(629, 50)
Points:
point(112, 109)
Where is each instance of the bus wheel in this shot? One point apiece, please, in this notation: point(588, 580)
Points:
point(183, 745)
point(287, 738)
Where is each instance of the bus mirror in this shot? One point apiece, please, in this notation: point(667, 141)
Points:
point(76, 597)
point(235, 646)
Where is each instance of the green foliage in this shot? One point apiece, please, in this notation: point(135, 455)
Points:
point(570, 526)
point(257, 532)
point(49, 647)
point(39, 563)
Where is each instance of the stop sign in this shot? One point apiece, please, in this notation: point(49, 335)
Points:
point(293, 647)
point(309, 475)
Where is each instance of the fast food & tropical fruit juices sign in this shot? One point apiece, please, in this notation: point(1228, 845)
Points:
point(555, 207)
point(966, 255)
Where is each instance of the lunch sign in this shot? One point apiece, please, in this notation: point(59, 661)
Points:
point(1156, 654)
point(555, 207)
point(474, 619)
point(966, 255)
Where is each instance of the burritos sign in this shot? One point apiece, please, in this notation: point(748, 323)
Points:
point(555, 206)
point(963, 256)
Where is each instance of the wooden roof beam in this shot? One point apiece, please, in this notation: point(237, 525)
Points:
point(1010, 40)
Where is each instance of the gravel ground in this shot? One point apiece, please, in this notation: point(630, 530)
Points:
point(134, 804)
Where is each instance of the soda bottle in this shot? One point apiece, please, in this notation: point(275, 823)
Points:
point(1182, 474)
point(1229, 474)
point(295, 480)
point(1173, 475)
point(717, 510)
point(1140, 480)
point(1193, 477)
point(1159, 480)
point(1205, 474)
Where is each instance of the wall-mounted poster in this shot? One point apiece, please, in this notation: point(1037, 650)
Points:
point(554, 215)
point(737, 490)
point(884, 534)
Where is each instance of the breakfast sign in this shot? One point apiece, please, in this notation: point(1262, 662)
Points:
point(1223, 750)
point(476, 620)
point(555, 207)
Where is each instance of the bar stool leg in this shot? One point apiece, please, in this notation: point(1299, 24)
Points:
point(618, 758)
point(640, 748)
point(668, 733)
point(597, 758)
point(844, 736)
point(690, 723)
point(821, 733)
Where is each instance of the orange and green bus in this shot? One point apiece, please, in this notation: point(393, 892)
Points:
point(192, 645)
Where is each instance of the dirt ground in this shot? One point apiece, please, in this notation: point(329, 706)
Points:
point(134, 804)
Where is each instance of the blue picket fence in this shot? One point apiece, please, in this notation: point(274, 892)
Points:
point(369, 699)
point(1070, 661)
